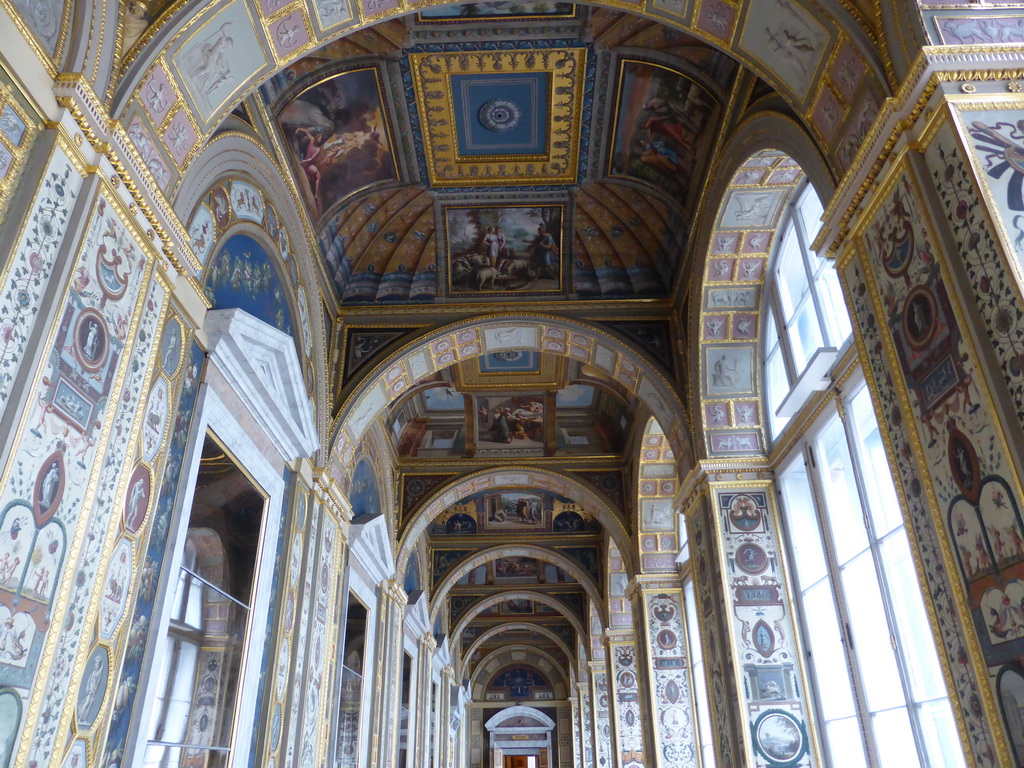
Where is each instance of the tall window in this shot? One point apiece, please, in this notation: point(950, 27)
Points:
point(880, 692)
point(804, 310)
point(199, 668)
point(351, 695)
point(701, 703)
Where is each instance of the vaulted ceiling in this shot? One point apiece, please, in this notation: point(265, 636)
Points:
point(503, 152)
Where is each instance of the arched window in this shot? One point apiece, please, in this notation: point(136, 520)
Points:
point(806, 320)
point(876, 680)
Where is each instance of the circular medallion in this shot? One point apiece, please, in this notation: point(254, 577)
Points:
point(964, 464)
point(750, 558)
point(919, 317)
point(500, 115)
point(91, 340)
point(666, 639)
point(779, 736)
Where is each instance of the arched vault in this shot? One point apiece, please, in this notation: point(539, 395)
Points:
point(593, 501)
point(484, 556)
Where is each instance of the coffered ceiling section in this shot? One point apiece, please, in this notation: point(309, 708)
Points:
point(500, 118)
point(497, 154)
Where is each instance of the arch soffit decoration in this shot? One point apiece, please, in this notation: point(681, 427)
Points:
point(474, 337)
point(558, 676)
point(232, 156)
point(593, 501)
point(484, 556)
point(519, 710)
point(729, 296)
point(512, 626)
point(493, 600)
point(829, 22)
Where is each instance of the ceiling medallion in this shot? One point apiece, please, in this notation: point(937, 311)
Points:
point(500, 115)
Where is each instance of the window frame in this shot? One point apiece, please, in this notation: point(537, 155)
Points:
point(772, 311)
point(216, 421)
point(806, 450)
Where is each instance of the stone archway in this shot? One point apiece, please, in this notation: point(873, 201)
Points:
point(518, 721)
point(510, 477)
point(474, 337)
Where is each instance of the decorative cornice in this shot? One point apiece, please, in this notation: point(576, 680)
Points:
point(934, 66)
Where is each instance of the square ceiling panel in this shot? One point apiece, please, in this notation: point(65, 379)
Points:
point(501, 115)
point(500, 118)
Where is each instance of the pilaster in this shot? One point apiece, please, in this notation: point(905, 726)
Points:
point(420, 747)
point(629, 707)
point(601, 697)
point(387, 676)
point(666, 670)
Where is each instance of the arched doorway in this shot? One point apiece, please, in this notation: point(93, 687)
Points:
point(520, 737)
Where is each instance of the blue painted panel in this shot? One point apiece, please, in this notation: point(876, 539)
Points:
point(527, 92)
point(242, 275)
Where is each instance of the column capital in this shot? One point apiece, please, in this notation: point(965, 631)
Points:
point(395, 591)
point(428, 641)
point(653, 582)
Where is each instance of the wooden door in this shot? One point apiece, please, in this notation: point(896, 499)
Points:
point(515, 761)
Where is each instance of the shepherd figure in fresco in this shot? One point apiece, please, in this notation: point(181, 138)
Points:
point(545, 253)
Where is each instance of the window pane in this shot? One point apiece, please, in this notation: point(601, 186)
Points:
point(844, 512)
point(826, 650)
point(912, 625)
point(171, 757)
point(882, 685)
point(804, 534)
point(791, 273)
point(845, 743)
point(699, 681)
point(771, 332)
point(810, 210)
point(895, 739)
point(778, 388)
point(805, 336)
point(834, 307)
point(178, 707)
point(883, 503)
point(938, 731)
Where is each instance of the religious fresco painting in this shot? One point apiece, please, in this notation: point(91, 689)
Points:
point(515, 249)
point(242, 275)
point(510, 422)
point(514, 510)
point(659, 127)
point(338, 138)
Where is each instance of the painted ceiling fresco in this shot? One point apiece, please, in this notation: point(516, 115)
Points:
point(509, 405)
point(442, 161)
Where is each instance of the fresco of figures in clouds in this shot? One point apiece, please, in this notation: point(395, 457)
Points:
point(337, 138)
point(660, 127)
